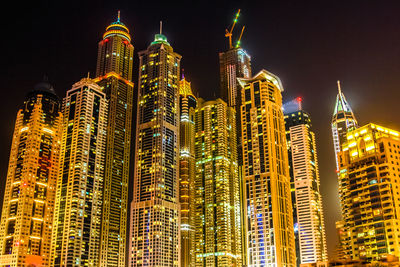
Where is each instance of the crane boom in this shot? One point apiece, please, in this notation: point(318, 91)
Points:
point(228, 33)
point(240, 37)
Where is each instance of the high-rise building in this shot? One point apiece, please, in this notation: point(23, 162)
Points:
point(114, 75)
point(77, 220)
point(187, 104)
point(155, 212)
point(369, 178)
point(28, 206)
point(235, 63)
point(308, 218)
point(270, 234)
point(217, 199)
point(343, 120)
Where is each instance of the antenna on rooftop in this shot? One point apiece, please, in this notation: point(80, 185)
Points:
point(338, 84)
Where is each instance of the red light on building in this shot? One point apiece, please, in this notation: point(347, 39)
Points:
point(299, 99)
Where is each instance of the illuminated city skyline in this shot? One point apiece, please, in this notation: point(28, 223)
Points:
point(339, 63)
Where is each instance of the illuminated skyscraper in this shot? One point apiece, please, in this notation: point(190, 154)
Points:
point(270, 235)
point(155, 212)
point(369, 177)
point(235, 63)
point(217, 204)
point(77, 220)
point(343, 120)
point(309, 226)
point(114, 75)
point(28, 205)
point(187, 103)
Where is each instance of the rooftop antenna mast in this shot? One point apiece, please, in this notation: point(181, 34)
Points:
point(340, 89)
point(228, 33)
point(160, 26)
point(119, 15)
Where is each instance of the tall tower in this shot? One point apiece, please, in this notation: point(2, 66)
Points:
point(155, 212)
point(28, 206)
point(114, 75)
point(369, 178)
point(217, 199)
point(187, 104)
point(233, 64)
point(343, 120)
point(309, 226)
point(77, 220)
point(270, 234)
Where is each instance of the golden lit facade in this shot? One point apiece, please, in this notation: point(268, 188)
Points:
point(187, 103)
point(308, 217)
point(77, 220)
point(217, 198)
point(270, 234)
point(369, 179)
point(114, 75)
point(155, 210)
point(28, 205)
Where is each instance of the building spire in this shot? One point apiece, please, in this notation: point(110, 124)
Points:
point(160, 26)
point(183, 74)
point(340, 90)
point(119, 16)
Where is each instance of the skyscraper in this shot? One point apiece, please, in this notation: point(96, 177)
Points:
point(235, 63)
point(187, 103)
point(343, 120)
point(309, 226)
point(370, 189)
point(217, 199)
point(28, 205)
point(77, 220)
point(270, 238)
point(155, 213)
point(114, 75)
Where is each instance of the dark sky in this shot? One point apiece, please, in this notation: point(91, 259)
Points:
point(308, 44)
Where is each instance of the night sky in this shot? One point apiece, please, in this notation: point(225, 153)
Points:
point(309, 45)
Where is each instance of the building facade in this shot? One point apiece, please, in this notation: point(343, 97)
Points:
point(187, 106)
point(308, 218)
point(155, 212)
point(234, 63)
point(217, 198)
point(369, 178)
point(77, 220)
point(270, 234)
point(28, 205)
point(114, 76)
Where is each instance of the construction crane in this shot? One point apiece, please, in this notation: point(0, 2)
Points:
point(228, 33)
point(240, 38)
